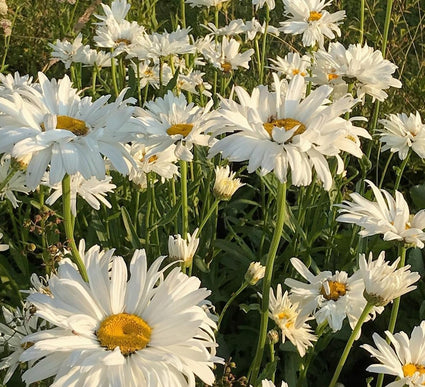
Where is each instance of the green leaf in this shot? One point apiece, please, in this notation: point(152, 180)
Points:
point(417, 193)
point(131, 230)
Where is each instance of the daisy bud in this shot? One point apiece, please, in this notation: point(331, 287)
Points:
point(254, 273)
point(180, 249)
point(225, 183)
point(273, 336)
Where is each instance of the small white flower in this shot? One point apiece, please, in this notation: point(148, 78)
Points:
point(180, 249)
point(254, 273)
point(402, 132)
point(308, 17)
point(384, 282)
point(405, 359)
point(205, 3)
point(18, 324)
point(361, 65)
point(331, 297)
point(226, 57)
point(291, 65)
point(15, 181)
point(171, 120)
point(260, 4)
point(269, 383)
point(384, 216)
point(93, 191)
point(225, 184)
point(286, 316)
point(68, 52)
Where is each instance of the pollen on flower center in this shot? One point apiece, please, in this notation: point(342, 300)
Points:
point(226, 66)
point(409, 369)
point(127, 331)
point(78, 127)
point(123, 41)
point(183, 129)
point(314, 16)
point(336, 290)
point(332, 76)
point(286, 123)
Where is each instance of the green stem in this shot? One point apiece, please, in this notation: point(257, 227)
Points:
point(361, 36)
point(68, 221)
point(264, 43)
point(8, 177)
point(207, 216)
point(7, 41)
point(400, 172)
point(350, 342)
point(396, 305)
point(385, 170)
point(280, 221)
point(183, 193)
point(228, 303)
point(183, 13)
point(114, 76)
point(386, 27)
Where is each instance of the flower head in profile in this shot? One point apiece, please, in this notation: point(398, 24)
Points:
point(180, 249)
point(269, 383)
point(3, 246)
point(11, 181)
point(309, 18)
point(386, 215)
point(403, 358)
point(172, 120)
point(93, 191)
point(52, 127)
point(18, 324)
point(402, 133)
point(225, 184)
point(331, 297)
point(205, 3)
point(286, 315)
point(69, 52)
point(260, 4)
point(362, 66)
point(254, 273)
point(291, 65)
point(283, 131)
point(384, 281)
point(148, 329)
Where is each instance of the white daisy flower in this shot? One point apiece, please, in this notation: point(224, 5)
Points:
point(11, 180)
point(98, 58)
point(384, 282)
point(226, 57)
point(69, 52)
point(118, 11)
point(194, 83)
point(122, 37)
point(225, 184)
point(3, 246)
point(277, 130)
point(171, 120)
point(18, 324)
point(161, 45)
point(269, 383)
point(402, 132)
point(10, 83)
point(162, 163)
point(389, 216)
point(405, 359)
point(291, 65)
point(235, 27)
point(308, 17)
point(184, 250)
point(370, 72)
point(54, 128)
point(286, 316)
point(93, 191)
point(144, 330)
point(331, 297)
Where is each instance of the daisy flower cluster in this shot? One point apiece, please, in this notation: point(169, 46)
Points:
point(244, 141)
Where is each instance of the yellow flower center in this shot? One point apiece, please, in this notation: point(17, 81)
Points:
point(183, 129)
point(297, 71)
point(127, 331)
point(123, 41)
point(314, 16)
point(78, 127)
point(286, 123)
point(226, 66)
point(410, 369)
point(336, 290)
point(332, 76)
